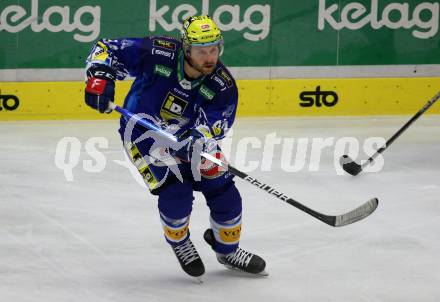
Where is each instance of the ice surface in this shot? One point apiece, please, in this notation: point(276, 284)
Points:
point(99, 238)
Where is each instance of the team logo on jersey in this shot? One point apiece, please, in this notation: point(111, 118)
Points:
point(173, 107)
point(206, 92)
point(222, 73)
point(162, 70)
point(164, 44)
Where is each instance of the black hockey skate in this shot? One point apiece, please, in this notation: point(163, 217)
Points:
point(240, 260)
point(189, 259)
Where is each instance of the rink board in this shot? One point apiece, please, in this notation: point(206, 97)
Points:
point(278, 97)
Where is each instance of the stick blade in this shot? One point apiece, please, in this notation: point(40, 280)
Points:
point(349, 165)
point(357, 214)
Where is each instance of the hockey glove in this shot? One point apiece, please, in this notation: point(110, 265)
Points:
point(100, 89)
point(193, 142)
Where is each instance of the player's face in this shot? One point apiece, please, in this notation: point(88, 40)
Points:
point(204, 58)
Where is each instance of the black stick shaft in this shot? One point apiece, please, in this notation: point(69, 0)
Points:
point(403, 128)
point(335, 221)
point(265, 187)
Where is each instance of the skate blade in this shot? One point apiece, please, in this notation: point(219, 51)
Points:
point(264, 273)
point(198, 280)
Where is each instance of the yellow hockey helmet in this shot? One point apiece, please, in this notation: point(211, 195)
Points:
point(200, 31)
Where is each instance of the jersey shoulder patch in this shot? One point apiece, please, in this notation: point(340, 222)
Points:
point(164, 47)
point(221, 78)
point(219, 84)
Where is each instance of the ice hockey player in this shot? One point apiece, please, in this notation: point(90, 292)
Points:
point(182, 87)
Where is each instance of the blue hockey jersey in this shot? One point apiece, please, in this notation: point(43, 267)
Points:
point(160, 89)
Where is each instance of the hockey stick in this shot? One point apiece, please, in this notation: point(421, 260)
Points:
point(335, 221)
point(353, 168)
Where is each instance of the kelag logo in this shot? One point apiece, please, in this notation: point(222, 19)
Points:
point(9, 102)
point(15, 18)
point(318, 98)
point(420, 17)
point(241, 19)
